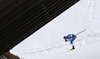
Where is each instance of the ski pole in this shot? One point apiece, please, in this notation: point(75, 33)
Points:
point(81, 31)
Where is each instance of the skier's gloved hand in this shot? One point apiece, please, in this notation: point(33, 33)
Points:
point(66, 40)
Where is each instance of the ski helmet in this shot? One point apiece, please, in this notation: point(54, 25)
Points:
point(64, 37)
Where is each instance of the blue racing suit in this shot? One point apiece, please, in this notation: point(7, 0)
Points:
point(71, 38)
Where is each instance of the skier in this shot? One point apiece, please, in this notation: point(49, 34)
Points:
point(70, 38)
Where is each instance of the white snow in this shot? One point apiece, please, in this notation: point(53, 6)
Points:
point(48, 41)
point(88, 52)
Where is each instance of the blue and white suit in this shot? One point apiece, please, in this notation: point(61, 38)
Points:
point(71, 38)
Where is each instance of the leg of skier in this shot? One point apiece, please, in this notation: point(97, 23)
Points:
point(72, 42)
point(72, 47)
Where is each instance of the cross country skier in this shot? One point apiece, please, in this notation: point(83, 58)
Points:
point(70, 38)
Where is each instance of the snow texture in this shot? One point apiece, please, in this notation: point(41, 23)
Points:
point(48, 42)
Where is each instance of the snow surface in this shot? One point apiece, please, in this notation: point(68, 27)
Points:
point(48, 41)
point(89, 52)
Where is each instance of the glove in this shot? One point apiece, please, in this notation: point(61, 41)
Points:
point(66, 40)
